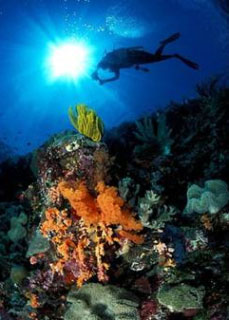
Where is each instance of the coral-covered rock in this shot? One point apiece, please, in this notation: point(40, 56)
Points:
point(70, 156)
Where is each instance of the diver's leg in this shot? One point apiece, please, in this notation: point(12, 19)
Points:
point(189, 63)
point(163, 43)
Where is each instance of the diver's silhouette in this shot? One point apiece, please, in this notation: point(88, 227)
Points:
point(134, 57)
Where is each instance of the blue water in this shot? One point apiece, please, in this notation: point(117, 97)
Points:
point(33, 107)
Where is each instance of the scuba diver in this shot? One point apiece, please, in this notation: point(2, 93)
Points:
point(134, 57)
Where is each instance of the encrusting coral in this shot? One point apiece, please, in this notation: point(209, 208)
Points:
point(86, 122)
point(181, 297)
point(97, 302)
point(83, 234)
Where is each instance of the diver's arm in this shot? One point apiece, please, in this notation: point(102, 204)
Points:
point(94, 75)
point(115, 77)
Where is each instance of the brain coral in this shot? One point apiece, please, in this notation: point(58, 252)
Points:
point(211, 198)
point(98, 302)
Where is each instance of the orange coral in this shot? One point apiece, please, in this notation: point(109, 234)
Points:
point(206, 222)
point(34, 302)
point(82, 243)
point(65, 248)
point(107, 208)
point(111, 207)
point(80, 200)
point(132, 237)
point(165, 255)
point(54, 222)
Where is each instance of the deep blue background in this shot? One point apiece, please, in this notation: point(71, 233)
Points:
point(32, 107)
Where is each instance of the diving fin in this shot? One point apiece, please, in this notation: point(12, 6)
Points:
point(189, 63)
point(172, 38)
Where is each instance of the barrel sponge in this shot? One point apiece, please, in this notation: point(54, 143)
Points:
point(95, 301)
point(211, 198)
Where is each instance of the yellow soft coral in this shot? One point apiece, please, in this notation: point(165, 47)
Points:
point(86, 122)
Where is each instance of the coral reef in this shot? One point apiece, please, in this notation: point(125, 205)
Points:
point(134, 227)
